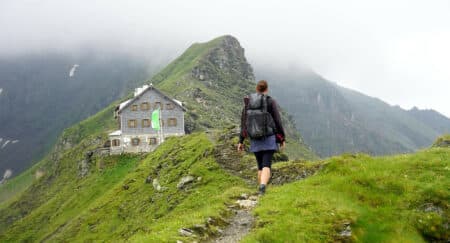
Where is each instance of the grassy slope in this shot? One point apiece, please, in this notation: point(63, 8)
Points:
point(59, 169)
point(383, 198)
point(99, 208)
point(92, 127)
point(45, 207)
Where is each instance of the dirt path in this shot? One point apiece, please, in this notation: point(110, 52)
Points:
point(242, 221)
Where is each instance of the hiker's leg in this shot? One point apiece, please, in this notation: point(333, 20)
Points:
point(267, 164)
point(259, 160)
point(265, 175)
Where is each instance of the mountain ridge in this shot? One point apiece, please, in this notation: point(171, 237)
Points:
point(334, 119)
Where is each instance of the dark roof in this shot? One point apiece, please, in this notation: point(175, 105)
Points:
point(150, 87)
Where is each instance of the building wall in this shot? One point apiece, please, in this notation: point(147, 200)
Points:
point(126, 145)
point(152, 97)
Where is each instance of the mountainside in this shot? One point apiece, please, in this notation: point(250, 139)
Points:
point(195, 187)
point(211, 79)
point(211, 104)
point(432, 118)
point(44, 93)
point(334, 119)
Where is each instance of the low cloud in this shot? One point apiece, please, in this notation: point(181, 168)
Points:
point(390, 49)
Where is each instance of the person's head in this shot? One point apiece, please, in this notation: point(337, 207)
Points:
point(262, 87)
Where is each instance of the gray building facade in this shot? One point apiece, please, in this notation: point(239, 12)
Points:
point(136, 133)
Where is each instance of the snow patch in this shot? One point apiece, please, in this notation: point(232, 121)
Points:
point(73, 69)
point(8, 173)
point(15, 141)
point(1, 90)
point(6, 143)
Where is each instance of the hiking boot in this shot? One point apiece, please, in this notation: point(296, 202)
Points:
point(262, 189)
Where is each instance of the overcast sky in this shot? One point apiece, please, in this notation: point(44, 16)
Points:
point(396, 50)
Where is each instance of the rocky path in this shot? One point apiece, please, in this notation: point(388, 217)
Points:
point(242, 221)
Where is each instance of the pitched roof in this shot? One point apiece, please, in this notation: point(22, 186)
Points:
point(127, 103)
point(116, 133)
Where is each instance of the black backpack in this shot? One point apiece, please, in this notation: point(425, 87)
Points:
point(259, 122)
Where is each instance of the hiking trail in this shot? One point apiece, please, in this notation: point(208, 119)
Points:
point(241, 223)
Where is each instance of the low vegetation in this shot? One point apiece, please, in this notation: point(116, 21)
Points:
point(402, 198)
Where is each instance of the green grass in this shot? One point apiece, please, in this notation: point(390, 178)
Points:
point(442, 141)
point(383, 199)
point(99, 208)
point(15, 186)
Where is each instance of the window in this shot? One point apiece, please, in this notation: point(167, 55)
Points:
point(172, 122)
point(152, 141)
point(146, 123)
point(135, 141)
point(170, 106)
point(145, 106)
point(115, 142)
point(134, 107)
point(158, 105)
point(131, 123)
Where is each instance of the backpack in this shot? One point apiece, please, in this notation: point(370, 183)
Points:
point(259, 122)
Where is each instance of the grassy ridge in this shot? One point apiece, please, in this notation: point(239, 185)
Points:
point(98, 207)
point(401, 198)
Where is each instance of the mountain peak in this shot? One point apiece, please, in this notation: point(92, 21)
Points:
point(224, 55)
point(218, 60)
point(211, 78)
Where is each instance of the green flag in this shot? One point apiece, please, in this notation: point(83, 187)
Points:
point(155, 120)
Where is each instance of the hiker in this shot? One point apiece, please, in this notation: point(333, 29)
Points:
point(261, 122)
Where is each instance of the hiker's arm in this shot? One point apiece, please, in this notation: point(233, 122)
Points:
point(242, 133)
point(277, 119)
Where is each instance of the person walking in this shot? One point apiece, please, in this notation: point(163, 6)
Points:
point(261, 123)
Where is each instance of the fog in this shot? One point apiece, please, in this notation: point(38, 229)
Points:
point(395, 50)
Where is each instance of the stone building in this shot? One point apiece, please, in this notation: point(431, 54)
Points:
point(134, 116)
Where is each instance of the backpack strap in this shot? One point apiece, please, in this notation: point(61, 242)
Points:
point(266, 103)
point(244, 117)
point(263, 103)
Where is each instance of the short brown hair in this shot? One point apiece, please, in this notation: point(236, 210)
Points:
point(262, 86)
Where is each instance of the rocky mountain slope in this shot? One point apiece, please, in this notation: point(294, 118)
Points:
point(211, 79)
point(334, 119)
